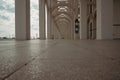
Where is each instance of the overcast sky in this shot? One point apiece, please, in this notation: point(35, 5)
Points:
point(7, 18)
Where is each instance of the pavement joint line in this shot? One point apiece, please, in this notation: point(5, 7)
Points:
point(25, 64)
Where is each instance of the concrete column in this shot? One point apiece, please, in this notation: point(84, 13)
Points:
point(104, 19)
point(116, 12)
point(22, 19)
point(42, 19)
point(52, 28)
point(72, 29)
point(49, 24)
point(94, 28)
point(83, 19)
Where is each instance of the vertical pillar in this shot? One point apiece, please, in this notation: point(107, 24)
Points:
point(52, 28)
point(22, 19)
point(42, 19)
point(72, 29)
point(94, 28)
point(49, 25)
point(104, 19)
point(83, 20)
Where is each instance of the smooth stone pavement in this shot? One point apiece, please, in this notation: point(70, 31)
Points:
point(60, 60)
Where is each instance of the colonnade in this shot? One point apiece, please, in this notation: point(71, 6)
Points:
point(22, 20)
point(104, 20)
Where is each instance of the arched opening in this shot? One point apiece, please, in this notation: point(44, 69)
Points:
point(34, 16)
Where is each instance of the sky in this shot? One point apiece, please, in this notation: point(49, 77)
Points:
point(7, 18)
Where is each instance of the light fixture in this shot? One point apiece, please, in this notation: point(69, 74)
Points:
point(62, 8)
point(62, 0)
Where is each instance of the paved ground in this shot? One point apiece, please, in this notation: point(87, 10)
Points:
point(60, 60)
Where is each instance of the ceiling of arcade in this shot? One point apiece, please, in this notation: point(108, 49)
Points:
point(64, 13)
point(63, 9)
